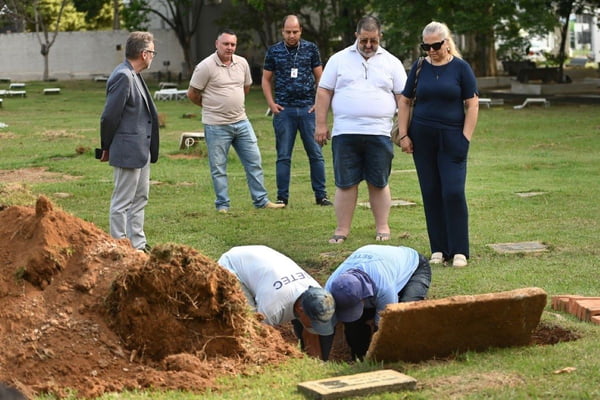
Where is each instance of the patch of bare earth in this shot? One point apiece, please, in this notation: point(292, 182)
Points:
point(82, 311)
point(33, 175)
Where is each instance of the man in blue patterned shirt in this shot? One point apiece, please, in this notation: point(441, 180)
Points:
point(295, 66)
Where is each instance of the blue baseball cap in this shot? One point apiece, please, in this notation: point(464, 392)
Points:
point(348, 292)
point(319, 306)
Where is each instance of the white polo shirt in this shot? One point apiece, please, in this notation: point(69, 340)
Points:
point(271, 281)
point(363, 90)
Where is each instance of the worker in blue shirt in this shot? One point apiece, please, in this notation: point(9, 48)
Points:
point(367, 281)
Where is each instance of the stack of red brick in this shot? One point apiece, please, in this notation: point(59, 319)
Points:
point(585, 308)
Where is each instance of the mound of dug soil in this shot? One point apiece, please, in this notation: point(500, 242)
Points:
point(82, 311)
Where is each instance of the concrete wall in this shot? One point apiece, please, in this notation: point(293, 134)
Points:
point(80, 55)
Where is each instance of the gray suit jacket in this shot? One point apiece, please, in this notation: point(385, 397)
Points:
point(129, 122)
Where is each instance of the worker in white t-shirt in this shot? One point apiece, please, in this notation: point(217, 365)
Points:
point(282, 292)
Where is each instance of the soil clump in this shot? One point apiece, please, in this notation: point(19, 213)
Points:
point(81, 311)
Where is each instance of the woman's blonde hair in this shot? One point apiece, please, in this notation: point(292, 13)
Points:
point(442, 29)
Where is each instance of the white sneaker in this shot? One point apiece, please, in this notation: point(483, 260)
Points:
point(459, 261)
point(437, 258)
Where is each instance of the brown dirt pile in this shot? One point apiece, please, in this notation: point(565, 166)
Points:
point(80, 310)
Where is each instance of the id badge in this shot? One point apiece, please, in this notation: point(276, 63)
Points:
point(294, 73)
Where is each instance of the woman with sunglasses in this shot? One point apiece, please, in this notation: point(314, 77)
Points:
point(446, 104)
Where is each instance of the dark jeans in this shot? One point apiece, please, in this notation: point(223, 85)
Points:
point(358, 333)
point(440, 157)
point(286, 123)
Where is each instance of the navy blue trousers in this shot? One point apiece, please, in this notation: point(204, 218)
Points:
point(440, 157)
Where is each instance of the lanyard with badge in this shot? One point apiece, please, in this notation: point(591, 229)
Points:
point(294, 69)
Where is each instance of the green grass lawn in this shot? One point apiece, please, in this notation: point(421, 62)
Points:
point(552, 150)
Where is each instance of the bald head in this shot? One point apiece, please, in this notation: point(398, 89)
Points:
point(291, 30)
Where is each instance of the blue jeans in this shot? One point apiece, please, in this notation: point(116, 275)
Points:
point(286, 124)
point(417, 286)
point(241, 136)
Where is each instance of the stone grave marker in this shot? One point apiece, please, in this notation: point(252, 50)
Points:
point(395, 203)
point(519, 247)
point(339, 387)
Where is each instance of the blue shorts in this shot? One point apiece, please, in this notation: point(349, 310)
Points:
point(362, 157)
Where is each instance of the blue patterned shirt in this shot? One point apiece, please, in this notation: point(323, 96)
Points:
point(281, 60)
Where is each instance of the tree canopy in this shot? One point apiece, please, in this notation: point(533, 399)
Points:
point(488, 29)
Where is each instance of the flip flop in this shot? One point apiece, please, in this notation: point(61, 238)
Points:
point(382, 236)
point(337, 239)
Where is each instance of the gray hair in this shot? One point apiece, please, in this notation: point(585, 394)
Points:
point(136, 43)
point(368, 23)
point(439, 28)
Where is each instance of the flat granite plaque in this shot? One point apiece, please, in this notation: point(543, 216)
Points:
point(519, 247)
point(395, 203)
point(339, 387)
point(530, 194)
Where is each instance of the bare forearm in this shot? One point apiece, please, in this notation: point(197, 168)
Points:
point(322, 105)
point(195, 96)
point(471, 114)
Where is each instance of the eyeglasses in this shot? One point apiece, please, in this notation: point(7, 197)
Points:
point(151, 51)
point(435, 46)
point(365, 41)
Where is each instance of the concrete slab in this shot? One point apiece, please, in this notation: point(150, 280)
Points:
point(519, 247)
point(52, 91)
point(22, 93)
point(488, 82)
point(529, 194)
point(190, 139)
point(427, 329)
point(339, 387)
point(517, 87)
point(395, 203)
point(532, 100)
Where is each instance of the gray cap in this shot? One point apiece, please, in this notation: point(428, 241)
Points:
point(319, 306)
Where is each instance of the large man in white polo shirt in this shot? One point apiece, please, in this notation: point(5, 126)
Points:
point(219, 85)
point(362, 84)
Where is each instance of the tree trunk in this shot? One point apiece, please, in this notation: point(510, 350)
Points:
point(116, 16)
point(564, 32)
point(46, 68)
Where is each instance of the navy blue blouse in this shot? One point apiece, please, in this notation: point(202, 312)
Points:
point(441, 91)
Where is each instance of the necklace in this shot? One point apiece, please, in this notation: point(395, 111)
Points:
point(295, 51)
point(439, 69)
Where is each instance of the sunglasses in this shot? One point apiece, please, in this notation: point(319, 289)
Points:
point(435, 46)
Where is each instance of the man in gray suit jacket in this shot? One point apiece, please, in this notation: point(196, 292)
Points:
point(129, 139)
